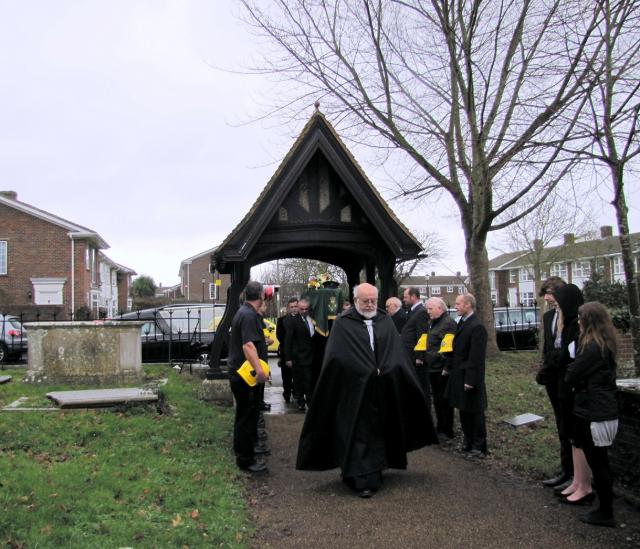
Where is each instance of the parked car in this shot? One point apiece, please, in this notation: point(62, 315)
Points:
point(177, 332)
point(13, 338)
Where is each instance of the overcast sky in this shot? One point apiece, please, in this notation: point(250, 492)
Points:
point(114, 114)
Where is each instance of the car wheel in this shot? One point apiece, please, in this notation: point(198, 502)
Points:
point(4, 353)
point(203, 358)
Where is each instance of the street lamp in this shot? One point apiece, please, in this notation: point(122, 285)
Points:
point(427, 276)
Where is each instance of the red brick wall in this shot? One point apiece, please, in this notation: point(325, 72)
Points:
point(625, 356)
point(37, 248)
point(198, 270)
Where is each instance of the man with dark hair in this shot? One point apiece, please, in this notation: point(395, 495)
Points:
point(299, 351)
point(368, 410)
point(466, 387)
point(281, 333)
point(548, 376)
point(247, 343)
point(416, 325)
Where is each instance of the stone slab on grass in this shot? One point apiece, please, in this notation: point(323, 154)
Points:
point(523, 419)
point(5, 379)
point(93, 398)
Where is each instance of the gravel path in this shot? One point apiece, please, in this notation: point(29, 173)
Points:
point(441, 500)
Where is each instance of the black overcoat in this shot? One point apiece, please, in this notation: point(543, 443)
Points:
point(467, 366)
point(368, 408)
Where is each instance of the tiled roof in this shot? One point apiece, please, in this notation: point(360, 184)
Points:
point(587, 249)
point(437, 280)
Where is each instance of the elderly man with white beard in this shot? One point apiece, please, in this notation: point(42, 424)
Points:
point(368, 407)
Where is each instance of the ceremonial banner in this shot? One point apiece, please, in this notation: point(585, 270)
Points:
point(325, 305)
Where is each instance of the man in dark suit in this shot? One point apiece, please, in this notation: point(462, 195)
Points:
point(299, 352)
point(548, 376)
point(466, 388)
point(416, 325)
point(281, 334)
point(394, 309)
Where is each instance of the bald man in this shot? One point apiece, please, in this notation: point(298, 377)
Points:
point(394, 309)
point(368, 409)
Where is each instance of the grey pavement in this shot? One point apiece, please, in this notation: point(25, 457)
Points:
point(441, 500)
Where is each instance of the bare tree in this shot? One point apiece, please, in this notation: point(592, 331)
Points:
point(433, 251)
point(477, 93)
point(614, 107)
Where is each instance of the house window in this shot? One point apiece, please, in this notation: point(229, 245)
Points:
point(528, 299)
point(618, 267)
point(494, 298)
point(512, 276)
point(581, 269)
point(462, 290)
point(213, 291)
point(422, 290)
point(525, 275)
point(3, 257)
point(449, 289)
point(559, 269)
point(492, 280)
point(435, 290)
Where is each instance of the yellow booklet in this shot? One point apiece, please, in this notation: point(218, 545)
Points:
point(247, 372)
point(422, 343)
point(447, 343)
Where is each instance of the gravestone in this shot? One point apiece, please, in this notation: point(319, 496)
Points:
point(84, 353)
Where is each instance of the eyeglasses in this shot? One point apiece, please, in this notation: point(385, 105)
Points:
point(368, 301)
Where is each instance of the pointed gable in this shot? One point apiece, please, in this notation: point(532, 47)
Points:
point(320, 204)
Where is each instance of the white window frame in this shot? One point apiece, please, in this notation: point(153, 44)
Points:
point(528, 299)
point(513, 276)
point(492, 280)
point(559, 269)
point(4, 257)
point(581, 269)
point(462, 290)
point(435, 290)
point(213, 291)
point(525, 275)
point(617, 265)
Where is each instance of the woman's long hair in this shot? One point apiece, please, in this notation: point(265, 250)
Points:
point(596, 325)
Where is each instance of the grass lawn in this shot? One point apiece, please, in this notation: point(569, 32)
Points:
point(129, 478)
point(532, 451)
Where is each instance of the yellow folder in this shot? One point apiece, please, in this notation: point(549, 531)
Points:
point(247, 372)
point(447, 343)
point(422, 343)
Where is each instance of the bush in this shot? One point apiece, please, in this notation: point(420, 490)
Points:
point(611, 294)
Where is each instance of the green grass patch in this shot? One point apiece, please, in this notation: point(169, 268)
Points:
point(129, 478)
point(512, 390)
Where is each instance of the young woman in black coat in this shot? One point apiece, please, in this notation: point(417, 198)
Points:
point(593, 378)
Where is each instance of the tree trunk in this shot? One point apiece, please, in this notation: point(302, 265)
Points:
point(631, 279)
point(478, 265)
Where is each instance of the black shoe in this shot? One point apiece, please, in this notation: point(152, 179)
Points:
point(562, 487)
point(366, 493)
point(557, 480)
point(598, 518)
point(287, 398)
point(584, 500)
point(301, 406)
point(475, 454)
point(255, 467)
point(264, 407)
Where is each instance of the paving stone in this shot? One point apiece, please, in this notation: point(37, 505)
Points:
point(101, 397)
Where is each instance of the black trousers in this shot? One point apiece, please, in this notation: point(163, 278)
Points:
point(560, 409)
point(422, 371)
point(245, 424)
point(474, 430)
point(444, 412)
point(302, 382)
point(287, 380)
point(598, 460)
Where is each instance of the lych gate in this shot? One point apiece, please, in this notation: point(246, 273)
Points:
point(318, 205)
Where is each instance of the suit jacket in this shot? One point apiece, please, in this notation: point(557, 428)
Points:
point(417, 324)
point(299, 344)
point(467, 366)
point(281, 334)
point(400, 319)
point(548, 373)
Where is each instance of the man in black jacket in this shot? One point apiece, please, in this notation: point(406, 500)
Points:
point(299, 353)
point(440, 324)
point(548, 376)
point(368, 409)
point(416, 325)
point(466, 388)
point(394, 309)
point(281, 334)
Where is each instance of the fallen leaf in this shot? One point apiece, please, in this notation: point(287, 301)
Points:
point(47, 529)
point(195, 514)
point(176, 521)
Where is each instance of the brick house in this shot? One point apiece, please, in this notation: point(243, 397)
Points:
point(53, 266)
point(511, 275)
point(197, 282)
point(446, 287)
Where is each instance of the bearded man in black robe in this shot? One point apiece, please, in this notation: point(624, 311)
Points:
point(368, 409)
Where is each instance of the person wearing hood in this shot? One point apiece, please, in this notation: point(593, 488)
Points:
point(368, 407)
point(569, 299)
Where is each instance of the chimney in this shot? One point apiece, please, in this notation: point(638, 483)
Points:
point(458, 274)
point(11, 195)
point(569, 239)
point(606, 231)
point(433, 273)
